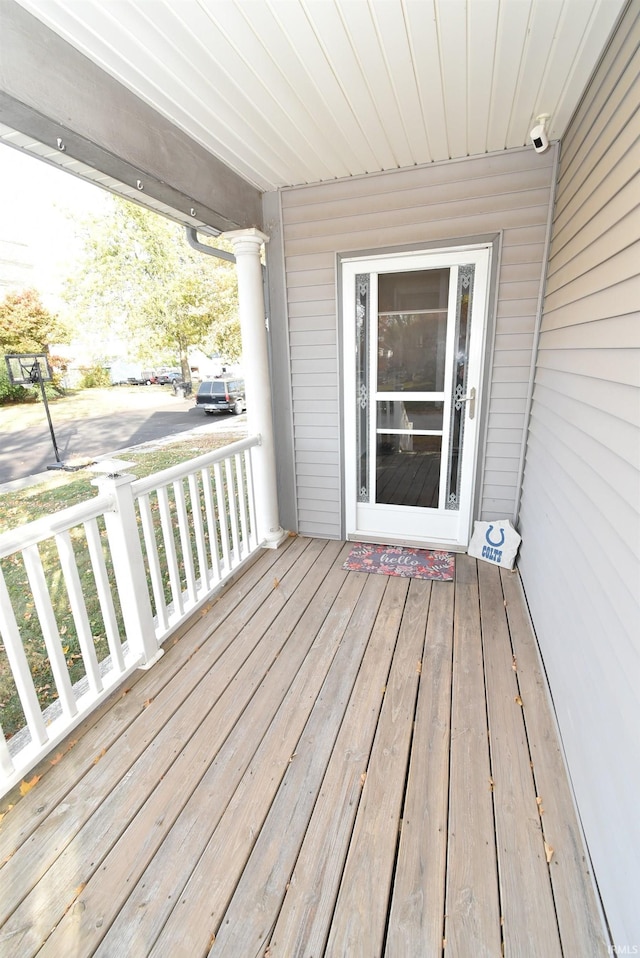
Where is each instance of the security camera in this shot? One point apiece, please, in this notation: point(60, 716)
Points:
point(539, 136)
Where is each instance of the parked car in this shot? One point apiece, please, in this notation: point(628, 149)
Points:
point(167, 376)
point(221, 395)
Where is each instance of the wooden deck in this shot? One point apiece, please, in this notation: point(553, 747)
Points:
point(325, 763)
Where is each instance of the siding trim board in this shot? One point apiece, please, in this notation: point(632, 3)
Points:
point(536, 341)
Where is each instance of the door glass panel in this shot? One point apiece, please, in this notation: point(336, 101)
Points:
point(408, 470)
point(409, 416)
point(412, 327)
point(362, 385)
point(460, 383)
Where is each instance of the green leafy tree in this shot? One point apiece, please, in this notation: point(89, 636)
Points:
point(26, 326)
point(141, 282)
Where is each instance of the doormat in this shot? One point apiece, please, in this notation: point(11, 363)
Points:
point(398, 560)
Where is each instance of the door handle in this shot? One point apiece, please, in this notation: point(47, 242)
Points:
point(471, 399)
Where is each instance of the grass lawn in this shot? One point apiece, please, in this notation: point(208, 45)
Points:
point(84, 404)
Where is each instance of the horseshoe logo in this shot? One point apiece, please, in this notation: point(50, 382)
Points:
point(496, 545)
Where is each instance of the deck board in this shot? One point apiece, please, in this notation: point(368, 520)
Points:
point(248, 921)
point(525, 888)
point(305, 919)
point(472, 920)
point(323, 763)
point(417, 909)
point(360, 915)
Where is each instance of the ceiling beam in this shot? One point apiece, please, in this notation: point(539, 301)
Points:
point(50, 91)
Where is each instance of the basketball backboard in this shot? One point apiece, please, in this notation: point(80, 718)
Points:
point(28, 369)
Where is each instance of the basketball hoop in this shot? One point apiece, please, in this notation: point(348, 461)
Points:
point(33, 369)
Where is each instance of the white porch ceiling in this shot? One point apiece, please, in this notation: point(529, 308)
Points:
point(287, 92)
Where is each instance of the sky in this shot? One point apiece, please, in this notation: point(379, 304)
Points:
point(38, 205)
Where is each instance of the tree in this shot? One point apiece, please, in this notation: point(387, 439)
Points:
point(140, 281)
point(26, 326)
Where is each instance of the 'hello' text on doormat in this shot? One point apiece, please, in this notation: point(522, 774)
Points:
point(402, 561)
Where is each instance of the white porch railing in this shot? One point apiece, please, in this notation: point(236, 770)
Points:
point(89, 594)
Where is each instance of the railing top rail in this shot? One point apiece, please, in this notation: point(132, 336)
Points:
point(167, 476)
point(37, 531)
point(31, 533)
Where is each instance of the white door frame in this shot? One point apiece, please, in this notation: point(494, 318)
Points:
point(434, 528)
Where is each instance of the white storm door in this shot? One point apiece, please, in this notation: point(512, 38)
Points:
point(414, 331)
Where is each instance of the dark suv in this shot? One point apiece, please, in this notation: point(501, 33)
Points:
point(222, 395)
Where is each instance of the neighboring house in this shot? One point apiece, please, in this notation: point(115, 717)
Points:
point(544, 327)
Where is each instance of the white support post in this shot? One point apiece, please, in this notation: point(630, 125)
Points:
point(129, 568)
point(255, 359)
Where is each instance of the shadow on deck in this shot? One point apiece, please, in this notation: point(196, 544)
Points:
point(324, 763)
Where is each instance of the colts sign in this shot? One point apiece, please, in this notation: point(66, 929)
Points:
point(496, 542)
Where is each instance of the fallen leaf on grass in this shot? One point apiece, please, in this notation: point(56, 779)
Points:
point(26, 787)
point(548, 850)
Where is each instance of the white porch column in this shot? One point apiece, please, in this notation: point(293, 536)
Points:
point(255, 362)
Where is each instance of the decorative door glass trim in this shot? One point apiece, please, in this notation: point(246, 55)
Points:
point(363, 391)
point(466, 276)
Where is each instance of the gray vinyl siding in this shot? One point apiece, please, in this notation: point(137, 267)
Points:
point(580, 522)
point(504, 195)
